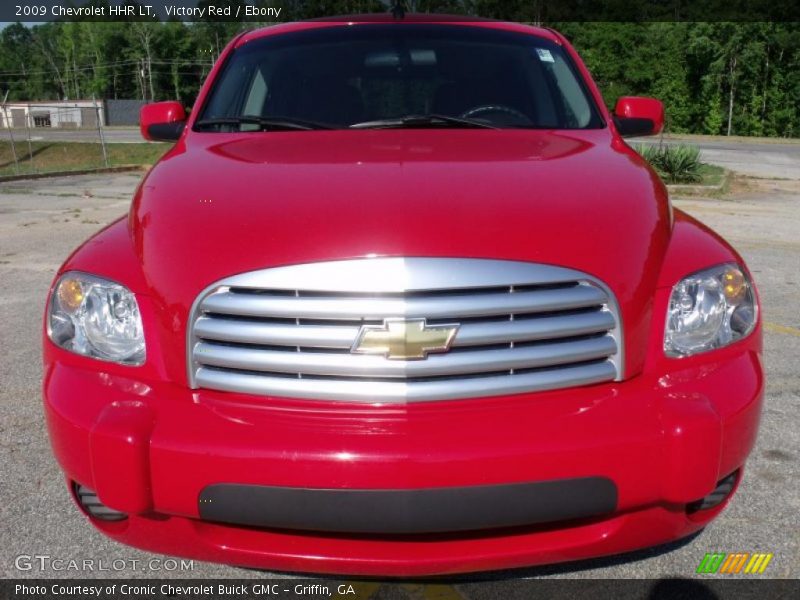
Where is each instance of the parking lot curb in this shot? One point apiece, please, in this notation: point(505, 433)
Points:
point(116, 169)
point(685, 188)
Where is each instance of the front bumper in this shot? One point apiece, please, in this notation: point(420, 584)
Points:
point(158, 451)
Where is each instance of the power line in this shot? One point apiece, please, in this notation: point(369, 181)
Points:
point(70, 69)
point(8, 82)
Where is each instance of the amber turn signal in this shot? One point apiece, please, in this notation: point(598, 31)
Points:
point(70, 294)
point(734, 285)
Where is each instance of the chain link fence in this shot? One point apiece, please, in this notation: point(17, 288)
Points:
point(32, 137)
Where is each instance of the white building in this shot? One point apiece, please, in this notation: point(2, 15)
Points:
point(70, 114)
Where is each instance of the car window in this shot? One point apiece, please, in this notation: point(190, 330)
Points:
point(257, 93)
point(342, 76)
point(576, 107)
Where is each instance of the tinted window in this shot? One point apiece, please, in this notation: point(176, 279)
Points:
point(344, 75)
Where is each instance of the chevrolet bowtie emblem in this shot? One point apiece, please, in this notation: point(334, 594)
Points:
point(404, 339)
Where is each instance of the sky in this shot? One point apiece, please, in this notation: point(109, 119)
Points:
point(4, 24)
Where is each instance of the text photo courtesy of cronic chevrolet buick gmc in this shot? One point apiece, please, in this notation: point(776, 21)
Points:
point(400, 300)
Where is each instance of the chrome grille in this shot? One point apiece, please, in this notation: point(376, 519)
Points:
point(289, 331)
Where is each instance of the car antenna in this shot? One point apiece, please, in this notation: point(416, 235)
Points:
point(399, 9)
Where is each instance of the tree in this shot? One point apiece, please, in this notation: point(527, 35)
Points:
point(17, 59)
point(737, 78)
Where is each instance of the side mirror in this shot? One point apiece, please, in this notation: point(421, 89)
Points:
point(162, 121)
point(635, 115)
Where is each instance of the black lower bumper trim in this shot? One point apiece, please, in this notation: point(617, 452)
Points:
point(429, 510)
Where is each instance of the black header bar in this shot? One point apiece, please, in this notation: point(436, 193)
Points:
point(260, 12)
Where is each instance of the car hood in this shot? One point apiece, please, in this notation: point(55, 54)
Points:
point(221, 204)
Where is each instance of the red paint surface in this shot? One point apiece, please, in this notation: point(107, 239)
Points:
point(221, 204)
point(636, 107)
point(158, 113)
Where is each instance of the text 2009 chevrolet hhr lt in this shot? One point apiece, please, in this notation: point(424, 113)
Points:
point(401, 301)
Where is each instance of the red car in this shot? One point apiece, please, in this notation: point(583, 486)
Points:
point(401, 301)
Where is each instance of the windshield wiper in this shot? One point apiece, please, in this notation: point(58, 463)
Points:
point(264, 123)
point(415, 121)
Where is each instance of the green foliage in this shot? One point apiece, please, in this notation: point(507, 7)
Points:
point(714, 78)
point(674, 164)
point(70, 156)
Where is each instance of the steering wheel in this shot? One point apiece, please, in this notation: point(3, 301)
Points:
point(495, 108)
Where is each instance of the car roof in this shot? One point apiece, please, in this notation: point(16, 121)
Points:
point(388, 18)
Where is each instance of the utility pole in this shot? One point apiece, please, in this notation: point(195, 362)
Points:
point(150, 77)
point(28, 132)
point(142, 81)
point(100, 131)
point(10, 134)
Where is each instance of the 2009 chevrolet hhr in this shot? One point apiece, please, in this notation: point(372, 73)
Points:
point(401, 301)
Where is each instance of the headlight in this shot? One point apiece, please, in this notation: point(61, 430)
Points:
point(708, 310)
point(96, 317)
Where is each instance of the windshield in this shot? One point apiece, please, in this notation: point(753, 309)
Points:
point(409, 75)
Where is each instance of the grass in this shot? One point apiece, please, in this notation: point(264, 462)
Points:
point(711, 174)
point(74, 156)
point(675, 164)
point(680, 164)
point(732, 138)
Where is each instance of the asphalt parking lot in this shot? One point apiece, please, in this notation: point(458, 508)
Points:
point(42, 220)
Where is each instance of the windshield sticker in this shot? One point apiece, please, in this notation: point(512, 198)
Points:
point(544, 55)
